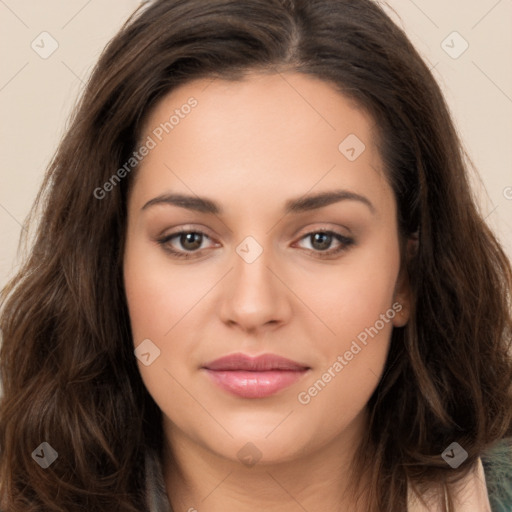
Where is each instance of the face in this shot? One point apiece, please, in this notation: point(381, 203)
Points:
point(284, 245)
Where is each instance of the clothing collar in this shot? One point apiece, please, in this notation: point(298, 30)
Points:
point(155, 485)
point(471, 495)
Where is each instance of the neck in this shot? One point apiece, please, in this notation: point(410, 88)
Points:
point(200, 479)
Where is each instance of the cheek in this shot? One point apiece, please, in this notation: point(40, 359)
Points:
point(352, 360)
point(351, 296)
point(158, 294)
point(160, 300)
point(356, 302)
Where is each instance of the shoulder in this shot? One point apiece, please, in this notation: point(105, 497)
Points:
point(471, 494)
point(497, 464)
point(488, 487)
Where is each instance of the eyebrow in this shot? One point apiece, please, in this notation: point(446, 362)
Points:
point(297, 205)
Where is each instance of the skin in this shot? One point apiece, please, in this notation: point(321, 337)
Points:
point(251, 146)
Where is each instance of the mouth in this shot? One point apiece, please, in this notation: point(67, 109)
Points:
point(254, 377)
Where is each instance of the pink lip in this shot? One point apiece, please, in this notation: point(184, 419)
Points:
point(254, 377)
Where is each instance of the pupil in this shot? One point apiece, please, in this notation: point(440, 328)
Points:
point(188, 242)
point(323, 239)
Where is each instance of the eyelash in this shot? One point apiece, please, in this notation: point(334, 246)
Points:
point(345, 243)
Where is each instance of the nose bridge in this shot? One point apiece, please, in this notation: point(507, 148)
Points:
point(251, 275)
point(254, 297)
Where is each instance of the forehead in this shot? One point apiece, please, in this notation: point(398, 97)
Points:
point(282, 132)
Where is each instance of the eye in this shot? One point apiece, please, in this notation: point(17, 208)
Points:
point(189, 243)
point(321, 242)
point(183, 244)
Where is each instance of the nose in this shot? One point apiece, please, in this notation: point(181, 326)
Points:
point(254, 298)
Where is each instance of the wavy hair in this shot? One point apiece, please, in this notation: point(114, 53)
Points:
point(67, 366)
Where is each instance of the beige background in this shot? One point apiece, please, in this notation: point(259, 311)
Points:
point(36, 94)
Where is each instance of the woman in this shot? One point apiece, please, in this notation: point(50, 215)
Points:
point(259, 281)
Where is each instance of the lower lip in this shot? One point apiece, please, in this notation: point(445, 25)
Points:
point(255, 384)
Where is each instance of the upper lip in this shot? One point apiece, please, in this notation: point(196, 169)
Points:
point(265, 362)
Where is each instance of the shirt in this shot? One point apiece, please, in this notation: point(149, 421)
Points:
point(471, 495)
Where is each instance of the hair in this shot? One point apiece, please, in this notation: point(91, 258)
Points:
point(67, 366)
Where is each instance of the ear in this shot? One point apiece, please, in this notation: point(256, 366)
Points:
point(403, 295)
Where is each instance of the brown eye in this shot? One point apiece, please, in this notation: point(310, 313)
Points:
point(321, 241)
point(191, 241)
point(185, 243)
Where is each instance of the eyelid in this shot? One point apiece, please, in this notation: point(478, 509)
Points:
point(175, 234)
point(164, 242)
point(187, 228)
point(344, 241)
point(324, 227)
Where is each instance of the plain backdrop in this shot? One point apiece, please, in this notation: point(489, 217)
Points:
point(467, 43)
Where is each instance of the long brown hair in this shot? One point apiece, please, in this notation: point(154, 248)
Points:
point(67, 366)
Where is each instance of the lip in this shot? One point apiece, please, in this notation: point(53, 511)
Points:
point(254, 377)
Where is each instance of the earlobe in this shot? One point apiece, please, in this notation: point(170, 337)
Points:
point(402, 297)
point(401, 300)
point(402, 316)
